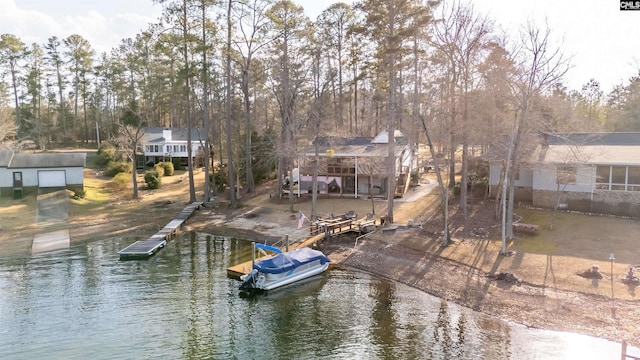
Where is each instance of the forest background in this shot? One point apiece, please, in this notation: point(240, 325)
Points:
point(262, 79)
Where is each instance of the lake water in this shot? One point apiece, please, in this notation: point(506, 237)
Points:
point(84, 303)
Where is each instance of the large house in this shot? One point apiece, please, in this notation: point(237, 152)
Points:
point(355, 166)
point(587, 172)
point(21, 172)
point(168, 144)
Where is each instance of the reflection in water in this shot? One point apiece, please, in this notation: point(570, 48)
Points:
point(84, 303)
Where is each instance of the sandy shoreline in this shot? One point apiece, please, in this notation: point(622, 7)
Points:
point(398, 258)
point(562, 302)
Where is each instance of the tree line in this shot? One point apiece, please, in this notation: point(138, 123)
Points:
point(263, 80)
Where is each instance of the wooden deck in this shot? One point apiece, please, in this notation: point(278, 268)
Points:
point(321, 230)
point(146, 248)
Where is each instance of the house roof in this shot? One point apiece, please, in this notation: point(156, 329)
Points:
point(5, 157)
point(154, 135)
point(585, 139)
point(357, 146)
point(529, 148)
point(592, 148)
point(41, 160)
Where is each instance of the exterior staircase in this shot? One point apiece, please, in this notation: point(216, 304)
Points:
point(402, 184)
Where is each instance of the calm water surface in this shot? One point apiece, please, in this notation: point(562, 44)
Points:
point(83, 303)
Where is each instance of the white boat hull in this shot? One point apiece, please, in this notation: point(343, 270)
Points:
point(284, 269)
point(296, 276)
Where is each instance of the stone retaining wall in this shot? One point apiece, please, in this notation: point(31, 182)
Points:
point(621, 203)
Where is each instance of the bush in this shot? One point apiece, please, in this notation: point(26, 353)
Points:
point(79, 194)
point(116, 167)
point(106, 154)
point(220, 179)
point(159, 168)
point(177, 163)
point(168, 168)
point(120, 182)
point(153, 180)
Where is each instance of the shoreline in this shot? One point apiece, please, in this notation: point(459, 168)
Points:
point(414, 257)
point(528, 304)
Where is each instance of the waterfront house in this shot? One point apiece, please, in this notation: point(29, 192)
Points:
point(353, 166)
point(169, 144)
point(587, 172)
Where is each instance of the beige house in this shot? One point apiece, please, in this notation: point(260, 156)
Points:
point(587, 172)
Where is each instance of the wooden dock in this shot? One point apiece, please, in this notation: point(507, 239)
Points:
point(320, 230)
point(145, 248)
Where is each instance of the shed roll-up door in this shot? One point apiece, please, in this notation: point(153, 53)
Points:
point(52, 178)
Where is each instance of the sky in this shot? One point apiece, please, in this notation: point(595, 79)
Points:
point(600, 39)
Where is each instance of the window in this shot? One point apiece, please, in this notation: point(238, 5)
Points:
point(618, 178)
point(516, 172)
point(566, 174)
point(618, 175)
point(634, 175)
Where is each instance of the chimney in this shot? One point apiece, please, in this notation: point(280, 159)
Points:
point(166, 134)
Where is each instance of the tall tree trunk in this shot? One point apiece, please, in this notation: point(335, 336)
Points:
point(205, 95)
point(391, 113)
point(227, 111)
point(444, 198)
point(248, 128)
point(192, 189)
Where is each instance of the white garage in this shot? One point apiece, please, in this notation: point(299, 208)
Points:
point(30, 171)
point(52, 178)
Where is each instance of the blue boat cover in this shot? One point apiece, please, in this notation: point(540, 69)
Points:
point(268, 248)
point(285, 262)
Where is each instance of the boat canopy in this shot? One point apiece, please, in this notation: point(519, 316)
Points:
point(284, 262)
point(268, 248)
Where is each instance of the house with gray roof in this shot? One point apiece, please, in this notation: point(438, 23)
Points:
point(355, 165)
point(167, 144)
point(25, 171)
point(587, 172)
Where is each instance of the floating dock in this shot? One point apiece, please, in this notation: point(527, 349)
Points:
point(146, 248)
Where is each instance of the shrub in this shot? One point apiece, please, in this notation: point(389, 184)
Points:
point(79, 194)
point(116, 167)
point(106, 154)
point(159, 168)
point(177, 163)
point(120, 182)
point(168, 168)
point(153, 180)
point(220, 180)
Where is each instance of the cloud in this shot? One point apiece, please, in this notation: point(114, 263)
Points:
point(29, 25)
point(104, 31)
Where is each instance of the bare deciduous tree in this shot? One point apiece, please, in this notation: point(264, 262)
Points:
point(540, 67)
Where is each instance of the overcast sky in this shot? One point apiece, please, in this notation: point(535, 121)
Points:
point(602, 40)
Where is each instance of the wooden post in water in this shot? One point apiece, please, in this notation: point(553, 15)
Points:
point(253, 254)
point(286, 242)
